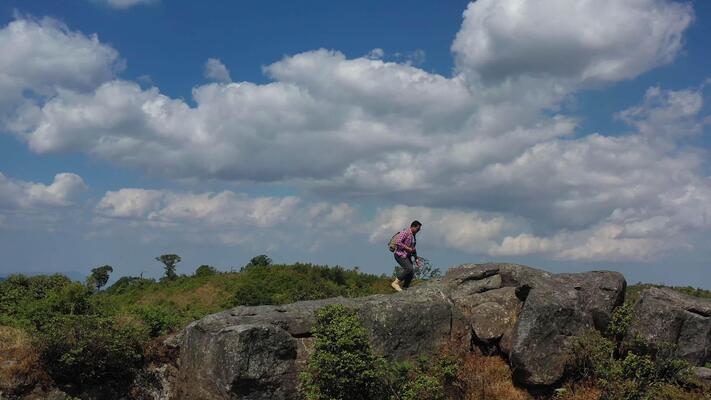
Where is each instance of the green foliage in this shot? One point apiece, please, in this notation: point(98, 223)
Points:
point(635, 373)
point(99, 276)
point(280, 284)
point(620, 321)
point(425, 380)
point(342, 365)
point(169, 262)
point(82, 349)
point(160, 319)
point(18, 292)
point(129, 283)
point(261, 260)
point(205, 270)
point(31, 302)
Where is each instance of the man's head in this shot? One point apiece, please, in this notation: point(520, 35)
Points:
point(415, 226)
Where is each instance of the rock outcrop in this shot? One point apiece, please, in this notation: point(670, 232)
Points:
point(526, 314)
point(665, 315)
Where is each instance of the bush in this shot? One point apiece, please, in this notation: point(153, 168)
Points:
point(342, 365)
point(636, 373)
point(89, 349)
point(281, 284)
point(159, 319)
point(205, 270)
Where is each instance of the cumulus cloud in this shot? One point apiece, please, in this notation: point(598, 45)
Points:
point(43, 56)
point(578, 41)
point(215, 70)
point(211, 209)
point(17, 194)
point(467, 231)
point(667, 113)
point(491, 171)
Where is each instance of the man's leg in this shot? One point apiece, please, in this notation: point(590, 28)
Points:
point(408, 271)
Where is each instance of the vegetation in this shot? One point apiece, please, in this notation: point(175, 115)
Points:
point(169, 261)
point(99, 276)
point(343, 366)
point(615, 368)
point(56, 330)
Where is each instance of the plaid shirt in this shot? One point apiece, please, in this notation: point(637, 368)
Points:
point(406, 238)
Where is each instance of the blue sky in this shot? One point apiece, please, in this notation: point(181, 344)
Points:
point(566, 136)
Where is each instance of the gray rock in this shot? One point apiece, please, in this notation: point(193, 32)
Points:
point(665, 315)
point(558, 308)
point(703, 374)
point(257, 352)
point(243, 361)
point(527, 314)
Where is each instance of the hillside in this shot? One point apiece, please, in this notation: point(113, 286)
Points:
point(113, 335)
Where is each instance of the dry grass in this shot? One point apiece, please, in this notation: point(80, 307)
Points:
point(19, 362)
point(581, 391)
point(488, 378)
point(208, 296)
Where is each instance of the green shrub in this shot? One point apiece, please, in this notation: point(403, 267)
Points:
point(90, 349)
point(205, 270)
point(342, 365)
point(620, 321)
point(637, 373)
point(281, 284)
point(423, 387)
point(159, 319)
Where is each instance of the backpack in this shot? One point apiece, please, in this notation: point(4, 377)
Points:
point(392, 244)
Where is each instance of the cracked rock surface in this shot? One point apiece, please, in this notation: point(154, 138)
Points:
point(525, 314)
point(665, 315)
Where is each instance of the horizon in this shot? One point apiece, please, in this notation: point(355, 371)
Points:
point(570, 139)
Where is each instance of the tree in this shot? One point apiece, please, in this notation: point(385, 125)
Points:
point(205, 270)
point(99, 276)
point(261, 260)
point(169, 261)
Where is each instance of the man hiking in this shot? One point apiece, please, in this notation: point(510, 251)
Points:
point(404, 254)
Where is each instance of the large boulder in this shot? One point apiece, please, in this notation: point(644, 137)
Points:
point(532, 315)
point(526, 314)
point(257, 352)
point(665, 315)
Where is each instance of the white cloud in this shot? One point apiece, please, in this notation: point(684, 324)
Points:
point(17, 194)
point(667, 113)
point(215, 70)
point(209, 209)
point(498, 175)
point(43, 56)
point(124, 4)
point(376, 54)
point(470, 232)
point(129, 203)
point(580, 42)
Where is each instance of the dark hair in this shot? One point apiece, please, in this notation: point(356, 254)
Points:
point(415, 224)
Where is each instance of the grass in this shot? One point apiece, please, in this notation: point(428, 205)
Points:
point(18, 362)
point(488, 377)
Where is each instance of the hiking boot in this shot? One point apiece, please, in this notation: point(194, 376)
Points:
point(396, 285)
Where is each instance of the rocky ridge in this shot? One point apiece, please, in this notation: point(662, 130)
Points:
point(527, 315)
